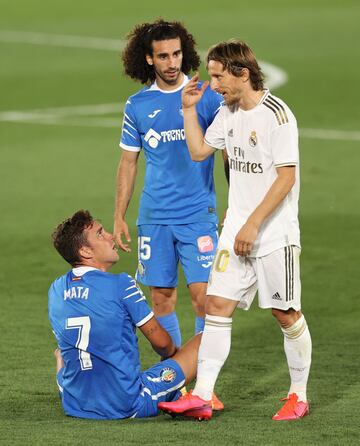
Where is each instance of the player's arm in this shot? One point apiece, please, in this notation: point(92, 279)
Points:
point(227, 176)
point(125, 181)
point(159, 338)
point(226, 165)
point(134, 301)
point(191, 95)
point(282, 185)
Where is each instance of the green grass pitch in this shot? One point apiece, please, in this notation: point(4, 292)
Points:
point(64, 158)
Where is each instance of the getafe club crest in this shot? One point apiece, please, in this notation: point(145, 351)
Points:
point(141, 268)
point(168, 375)
point(253, 139)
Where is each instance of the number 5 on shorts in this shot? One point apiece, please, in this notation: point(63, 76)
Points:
point(144, 247)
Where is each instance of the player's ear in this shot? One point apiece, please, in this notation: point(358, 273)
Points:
point(245, 74)
point(149, 59)
point(86, 252)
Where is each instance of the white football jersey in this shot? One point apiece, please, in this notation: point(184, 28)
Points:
point(257, 142)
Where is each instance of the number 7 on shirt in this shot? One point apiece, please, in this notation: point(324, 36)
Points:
point(83, 324)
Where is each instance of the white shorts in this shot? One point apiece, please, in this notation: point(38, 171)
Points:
point(275, 276)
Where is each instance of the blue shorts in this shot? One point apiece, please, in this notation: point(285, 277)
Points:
point(160, 247)
point(161, 383)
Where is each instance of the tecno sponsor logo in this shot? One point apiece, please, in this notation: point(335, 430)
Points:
point(173, 135)
point(153, 138)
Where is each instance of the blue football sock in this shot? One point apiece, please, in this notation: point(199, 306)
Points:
point(199, 324)
point(171, 324)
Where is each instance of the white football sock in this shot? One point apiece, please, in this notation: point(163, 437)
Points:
point(297, 346)
point(213, 351)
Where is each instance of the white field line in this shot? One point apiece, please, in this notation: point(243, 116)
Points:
point(330, 134)
point(89, 116)
point(62, 40)
point(275, 76)
point(86, 115)
point(77, 122)
point(62, 112)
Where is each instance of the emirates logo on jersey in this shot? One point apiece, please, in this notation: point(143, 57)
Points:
point(253, 139)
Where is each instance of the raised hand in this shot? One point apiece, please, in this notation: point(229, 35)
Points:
point(191, 94)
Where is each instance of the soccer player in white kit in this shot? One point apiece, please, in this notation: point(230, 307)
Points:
point(259, 247)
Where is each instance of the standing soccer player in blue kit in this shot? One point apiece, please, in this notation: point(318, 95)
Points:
point(94, 315)
point(177, 215)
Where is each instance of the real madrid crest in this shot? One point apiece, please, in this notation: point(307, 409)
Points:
point(253, 139)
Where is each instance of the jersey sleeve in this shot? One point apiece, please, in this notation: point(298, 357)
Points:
point(215, 134)
point(215, 103)
point(134, 301)
point(285, 145)
point(209, 106)
point(130, 137)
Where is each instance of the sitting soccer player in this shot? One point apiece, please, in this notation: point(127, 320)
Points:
point(94, 315)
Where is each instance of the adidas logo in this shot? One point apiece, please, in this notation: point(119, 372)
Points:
point(276, 296)
point(231, 133)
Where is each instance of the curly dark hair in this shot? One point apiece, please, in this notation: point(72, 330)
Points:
point(140, 44)
point(68, 237)
point(235, 55)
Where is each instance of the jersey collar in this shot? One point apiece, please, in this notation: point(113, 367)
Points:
point(264, 96)
point(155, 87)
point(266, 92)
point(81, 270)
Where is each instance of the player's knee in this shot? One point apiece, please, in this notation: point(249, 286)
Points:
point(217, 306)
point(161, 308)
point(163, 294)
point(163, 300)
point(198, 303)
point(199, 309)
point(286, 318)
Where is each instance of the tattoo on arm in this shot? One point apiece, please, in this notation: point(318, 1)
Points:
point(151, 330)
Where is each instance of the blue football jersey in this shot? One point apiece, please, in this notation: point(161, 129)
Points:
point(94, 318)
point(176, 190)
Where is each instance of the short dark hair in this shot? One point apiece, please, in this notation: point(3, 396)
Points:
point(235, 55)
point(139, 45)
point(69, 236)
